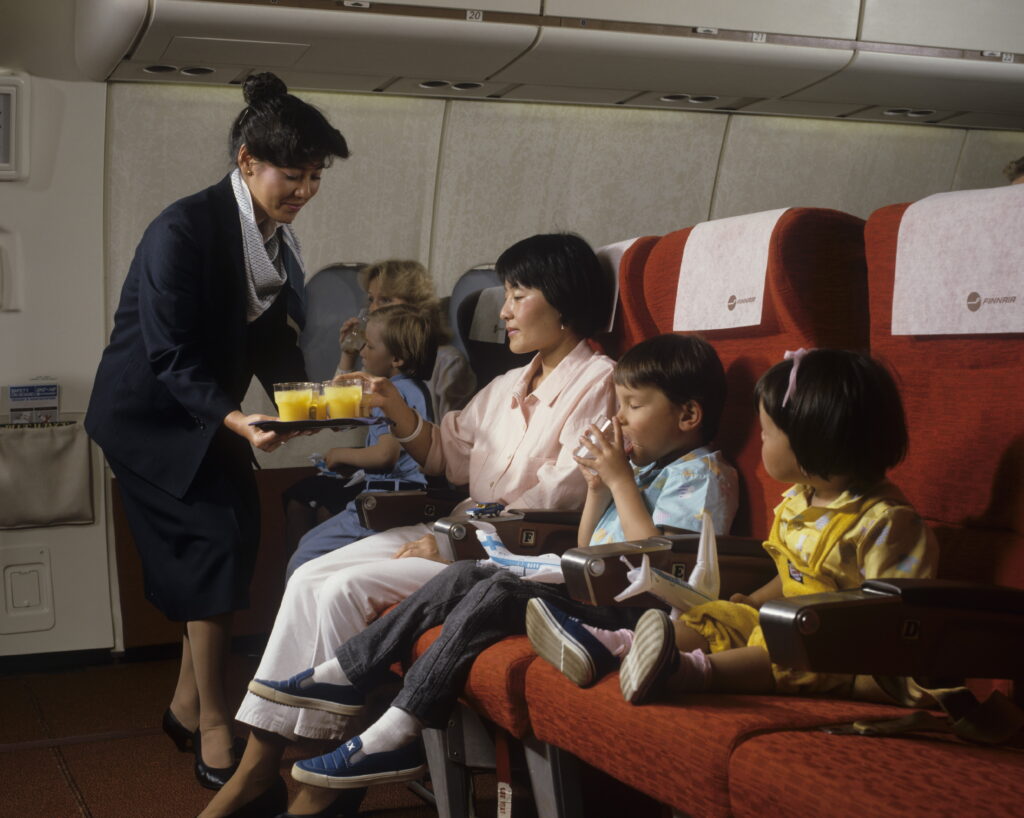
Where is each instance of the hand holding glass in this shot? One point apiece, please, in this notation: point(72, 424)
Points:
point(603, 424)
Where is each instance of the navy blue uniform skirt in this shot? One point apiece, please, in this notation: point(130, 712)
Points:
point(199, 552)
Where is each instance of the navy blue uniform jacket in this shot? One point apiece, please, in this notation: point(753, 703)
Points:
point(180, 357)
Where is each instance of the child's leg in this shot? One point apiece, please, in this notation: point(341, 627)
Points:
point(741, 670)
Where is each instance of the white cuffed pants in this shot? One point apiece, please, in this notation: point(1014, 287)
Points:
point(327, 601)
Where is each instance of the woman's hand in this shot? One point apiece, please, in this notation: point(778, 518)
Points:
point(348, 358)
point(346, 330)
point(424, 548)
point(607, 463)
point(265, 441)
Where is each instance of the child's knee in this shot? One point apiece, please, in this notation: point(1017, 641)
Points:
point(688, 639)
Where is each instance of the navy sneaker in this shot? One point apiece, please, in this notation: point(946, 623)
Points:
point(337, 770)
point(301, 691)
point(562, 640)
point(652, 658)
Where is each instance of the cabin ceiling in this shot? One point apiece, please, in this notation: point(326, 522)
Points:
point(961, 64)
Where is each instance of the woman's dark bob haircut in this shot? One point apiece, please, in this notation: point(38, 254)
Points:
point(283, 130)
point(844, 417)
point(567, 273)
point(683, 368)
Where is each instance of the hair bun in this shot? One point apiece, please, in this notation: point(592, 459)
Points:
point(262, 87)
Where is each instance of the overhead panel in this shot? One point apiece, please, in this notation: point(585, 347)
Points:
point(331, 40)
point(901, 80)
point(814, 18)
point(645, 62)
point(514, 6)
point(792, 107)
point(688, 102)
point(452, 87)
point(554, 93)
point(982, 25)
point(1007, 122)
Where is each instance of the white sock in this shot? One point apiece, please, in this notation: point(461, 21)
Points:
point(392, 730)
point(618, 642)
point(330, 672)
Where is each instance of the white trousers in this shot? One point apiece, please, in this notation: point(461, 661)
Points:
point(327, 601)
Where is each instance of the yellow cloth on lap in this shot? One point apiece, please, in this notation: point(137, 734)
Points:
point(818, 549)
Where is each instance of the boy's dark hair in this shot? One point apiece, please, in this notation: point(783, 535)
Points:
point(566, 271)
point(281, 129)
point(411, 334)
point(844, 417)
point(683, 368)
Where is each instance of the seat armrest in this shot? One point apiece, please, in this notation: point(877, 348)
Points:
point(381, 510)
point(923, 628)
point(596, 574)
point(521, 531)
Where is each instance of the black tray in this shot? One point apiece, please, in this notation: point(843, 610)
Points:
point(300, 425)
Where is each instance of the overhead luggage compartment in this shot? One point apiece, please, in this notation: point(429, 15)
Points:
point(585, 58)
point(980, 25)
point(331, 46)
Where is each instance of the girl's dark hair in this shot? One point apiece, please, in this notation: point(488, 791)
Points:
point(411, 334)
point(844, 417)
point(683, 368)
point(281, 129)
point(566, 271)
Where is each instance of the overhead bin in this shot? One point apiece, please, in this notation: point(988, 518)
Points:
point(913, 81)
point(811, 18)
point(317, 41)
point(585, 58)
point(980, 25)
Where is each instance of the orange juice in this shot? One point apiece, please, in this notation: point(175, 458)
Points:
point(343, 399)
point(294, 402)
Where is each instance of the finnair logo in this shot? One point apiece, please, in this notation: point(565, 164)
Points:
point(975, 301)
point(734, 301)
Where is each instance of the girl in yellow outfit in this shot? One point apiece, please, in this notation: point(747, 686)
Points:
point(832, 422)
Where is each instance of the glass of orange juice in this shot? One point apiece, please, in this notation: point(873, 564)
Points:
point(343, 397)
point(295, 400)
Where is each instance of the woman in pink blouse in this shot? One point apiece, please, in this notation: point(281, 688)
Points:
point(512, 444)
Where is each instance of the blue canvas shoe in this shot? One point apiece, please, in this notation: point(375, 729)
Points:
point(337, 770)
point(562, 640)
point(301, 691)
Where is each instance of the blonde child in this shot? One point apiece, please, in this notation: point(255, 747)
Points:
point(400, 344)
point(832, 423)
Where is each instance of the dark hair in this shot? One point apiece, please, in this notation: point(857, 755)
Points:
point(281, 129)
point(683, 368)
point(567, 273)
point(844, 417)
point(410, 333)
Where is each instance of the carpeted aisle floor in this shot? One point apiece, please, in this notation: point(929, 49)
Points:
point(86, 743)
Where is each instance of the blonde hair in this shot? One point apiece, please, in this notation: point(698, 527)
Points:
point(405, 279)
point(410, 334)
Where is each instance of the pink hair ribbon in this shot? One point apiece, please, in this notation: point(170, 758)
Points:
point(794, 356)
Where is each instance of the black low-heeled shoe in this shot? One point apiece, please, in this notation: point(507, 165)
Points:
point(345, 805)
point(176, 731)
point(213, 778)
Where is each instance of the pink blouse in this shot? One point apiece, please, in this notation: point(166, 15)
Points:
point(516, 448)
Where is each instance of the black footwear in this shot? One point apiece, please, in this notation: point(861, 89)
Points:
point(267, 804)
point(213, 778)
point(346, 805)
point(176, 731)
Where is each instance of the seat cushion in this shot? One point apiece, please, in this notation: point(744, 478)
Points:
point(678, 753)
point(496, 684)
point(814, 773)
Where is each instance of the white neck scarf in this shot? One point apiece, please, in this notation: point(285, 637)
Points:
point(265, 273)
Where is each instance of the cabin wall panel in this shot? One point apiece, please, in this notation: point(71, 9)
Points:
point(984, 156)
point(773, 162)
point(57, 218)
point(509, 170)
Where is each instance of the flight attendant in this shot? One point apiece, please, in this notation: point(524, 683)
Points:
point(213, 296)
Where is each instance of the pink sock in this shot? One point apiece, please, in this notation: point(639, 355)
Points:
point(618, 642)
point(694, 673)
